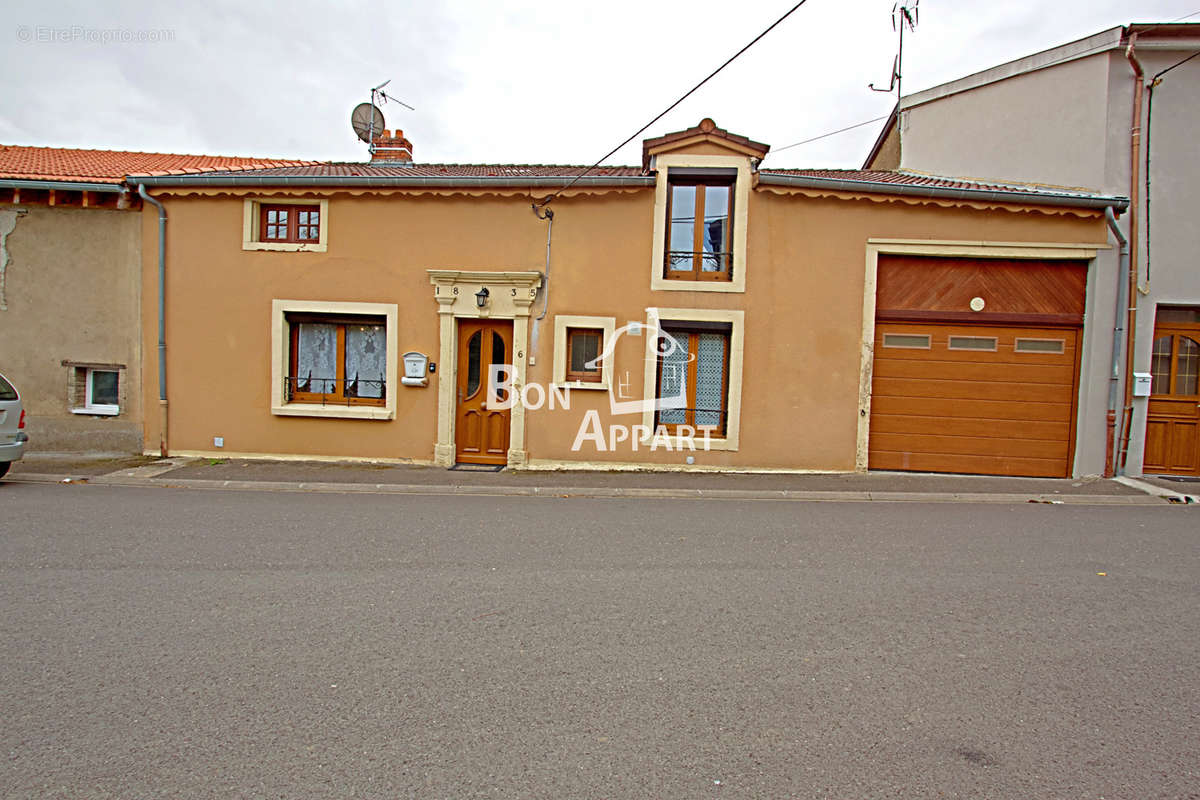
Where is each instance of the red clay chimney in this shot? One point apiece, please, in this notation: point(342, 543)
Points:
point(389, 149)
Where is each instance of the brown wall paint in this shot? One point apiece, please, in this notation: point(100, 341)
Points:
point(803, 304)
point(72, 288)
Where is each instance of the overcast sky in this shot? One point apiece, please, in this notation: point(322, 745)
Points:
point(501, 81)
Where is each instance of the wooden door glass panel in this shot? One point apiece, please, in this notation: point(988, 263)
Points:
point(1178, 315)
point(498, 357)
point(1187, 367)
point(474, 357)
point(1160, 366)
point(972, 343)
point(1055, 346)
point(906, 341)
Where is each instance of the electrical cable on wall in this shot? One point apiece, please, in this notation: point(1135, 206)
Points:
point(671, 107)
point(1155, 81)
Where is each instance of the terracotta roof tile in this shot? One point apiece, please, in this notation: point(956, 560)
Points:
point(900, 177)
point(111, 166)
point(499, 171)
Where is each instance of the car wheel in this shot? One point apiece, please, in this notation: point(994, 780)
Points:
point(4, 467)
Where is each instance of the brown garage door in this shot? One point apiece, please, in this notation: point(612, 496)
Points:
point(989, 390)
point(975, 399)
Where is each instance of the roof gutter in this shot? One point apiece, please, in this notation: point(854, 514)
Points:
point(66, 186)
point(399, 181)
point(1096, 201)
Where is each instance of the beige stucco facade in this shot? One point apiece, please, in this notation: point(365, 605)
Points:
point(69, 302)
point(795, 318)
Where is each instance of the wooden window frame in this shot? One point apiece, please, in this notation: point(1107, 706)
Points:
point(693, 368)
point(585, 376)
point(696, 273)
point(1176, 337)
point(292, 392)
point(293, 223)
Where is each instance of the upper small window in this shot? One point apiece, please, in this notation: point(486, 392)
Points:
point(584, 346)
point(294, 224)
point(285, 225)
point(700, 229)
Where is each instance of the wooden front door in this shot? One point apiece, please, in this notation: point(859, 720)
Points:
point(1173, 418)
point(480, 433)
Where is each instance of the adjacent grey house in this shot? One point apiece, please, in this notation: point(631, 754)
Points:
point(1116, 113)
point(71, 301)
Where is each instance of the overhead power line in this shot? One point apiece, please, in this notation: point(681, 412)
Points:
point(827, 135)
point(671, 107)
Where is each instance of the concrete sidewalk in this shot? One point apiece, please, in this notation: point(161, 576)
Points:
point(356, 477)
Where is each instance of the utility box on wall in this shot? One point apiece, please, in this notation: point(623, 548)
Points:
point(415, 367)
point(1142, 381)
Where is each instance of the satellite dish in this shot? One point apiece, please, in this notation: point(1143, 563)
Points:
point(367, 121)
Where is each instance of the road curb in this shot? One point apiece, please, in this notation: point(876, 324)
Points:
point(792, 495)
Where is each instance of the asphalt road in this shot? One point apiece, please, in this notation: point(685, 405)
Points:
point(182, 643)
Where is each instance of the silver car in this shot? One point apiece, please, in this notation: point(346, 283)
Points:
point(12, 426)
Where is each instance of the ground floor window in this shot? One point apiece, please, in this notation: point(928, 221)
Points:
point(339, 360)
point(584, 346)
point(95, 389)
point(693, 378)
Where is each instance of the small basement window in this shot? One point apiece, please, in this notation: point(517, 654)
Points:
point(95, 390)
point(909, 341)
point(1055, 346)
point(972, 343)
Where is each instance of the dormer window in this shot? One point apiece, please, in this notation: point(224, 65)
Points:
point(702, 193)
point(700, 234)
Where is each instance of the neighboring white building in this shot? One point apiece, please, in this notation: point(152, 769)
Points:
point(1065, 117)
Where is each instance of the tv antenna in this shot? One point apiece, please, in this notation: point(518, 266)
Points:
point(367, 120)
point(903, 16)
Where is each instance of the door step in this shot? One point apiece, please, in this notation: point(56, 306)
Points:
point(461, 467)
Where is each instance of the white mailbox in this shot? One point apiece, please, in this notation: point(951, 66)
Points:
point(1141, 384)
point(415, 367)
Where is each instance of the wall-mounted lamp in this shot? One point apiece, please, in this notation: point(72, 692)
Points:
point(481, 297)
